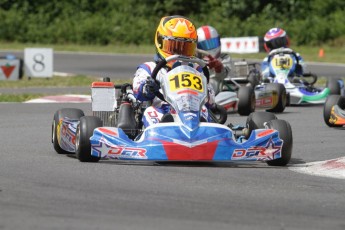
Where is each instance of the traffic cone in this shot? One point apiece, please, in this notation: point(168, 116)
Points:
point(321, 53)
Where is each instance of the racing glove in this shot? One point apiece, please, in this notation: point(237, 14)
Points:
point(215, 64)
point(149, 88)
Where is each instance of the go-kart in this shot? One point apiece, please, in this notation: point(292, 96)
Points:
point(283, 63)
point(240, 92)
point(235, 98)
point(334, 110)
point(270, 97)
point(181, 135)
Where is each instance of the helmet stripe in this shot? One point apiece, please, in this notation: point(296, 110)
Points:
point(207, 32)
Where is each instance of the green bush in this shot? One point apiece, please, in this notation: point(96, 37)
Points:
point(105, 22)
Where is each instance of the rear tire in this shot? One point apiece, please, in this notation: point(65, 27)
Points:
point(246, 103)
point(327, 108)
point(285, 133)
point(333, 86)
point(61, 114)
point(84, 132)
point(282, 97)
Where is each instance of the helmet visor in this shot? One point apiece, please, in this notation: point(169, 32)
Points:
point(209, 44)
point(180, 46)
point(277, 43)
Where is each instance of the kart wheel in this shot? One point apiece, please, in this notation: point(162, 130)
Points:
point(327, 108)
point(84, 132)
point(256, 120)
point(61, 114)
point(246, 100)
point(285, 133)
point(282, 98)
point(219, 114)
point(333, 86)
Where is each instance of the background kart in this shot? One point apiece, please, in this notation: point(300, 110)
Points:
point(237, 93)
point(333, 111)
point(283, 63)
point(179, 137)
point(270, 97)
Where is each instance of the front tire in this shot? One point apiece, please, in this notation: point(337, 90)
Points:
point(84, 132)
point(61, 114)
point(257, 120)
point(285, 133)
point(282, 98)
point(327, 108)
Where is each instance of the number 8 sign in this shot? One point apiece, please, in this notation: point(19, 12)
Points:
point(38, 62)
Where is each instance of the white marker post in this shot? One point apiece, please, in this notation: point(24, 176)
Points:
point(38, 62)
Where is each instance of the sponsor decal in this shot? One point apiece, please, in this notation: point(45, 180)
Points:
point(7, 70)
point(154, 116)
point(67, 135)
point(230, 105)
point(267, 152)
point(189, 116)
point(119, 152)
point(264, 101)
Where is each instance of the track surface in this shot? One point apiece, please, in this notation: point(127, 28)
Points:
point(123, 66)
point(40, 189)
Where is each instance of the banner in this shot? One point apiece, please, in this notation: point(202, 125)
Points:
point(240, 45)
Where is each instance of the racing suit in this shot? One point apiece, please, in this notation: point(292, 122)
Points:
point(217, 78)
point(267, 75)
point(154, 113)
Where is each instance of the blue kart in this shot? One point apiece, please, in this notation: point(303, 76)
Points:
point(115, 131)
point(283, 63)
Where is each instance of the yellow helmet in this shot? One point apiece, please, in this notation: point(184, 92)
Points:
point(176, 35)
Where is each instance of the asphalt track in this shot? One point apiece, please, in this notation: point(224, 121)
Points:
point(123, 66)
point(40, 189)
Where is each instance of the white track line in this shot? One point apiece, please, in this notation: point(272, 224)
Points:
point(330, 168)
point(68, 98)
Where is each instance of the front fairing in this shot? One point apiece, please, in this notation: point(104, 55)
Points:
point(167, 142)
point(185, 89)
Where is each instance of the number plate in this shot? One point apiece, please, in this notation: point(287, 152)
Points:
point(284, 62)
point(185, 80)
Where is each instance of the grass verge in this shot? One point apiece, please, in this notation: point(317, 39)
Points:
point(56, 81)
point(18, 97)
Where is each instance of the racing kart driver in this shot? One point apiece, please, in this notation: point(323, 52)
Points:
point(276, 38)
point(174, 35)
point(209, 41)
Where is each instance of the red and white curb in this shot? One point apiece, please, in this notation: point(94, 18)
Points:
point(330, 168)
point(69, 98)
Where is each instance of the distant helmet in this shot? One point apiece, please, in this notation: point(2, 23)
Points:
point(276, 38)
point(209, 40)
point(176, 35)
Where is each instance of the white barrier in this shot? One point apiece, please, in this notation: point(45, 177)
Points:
point(240, 45)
